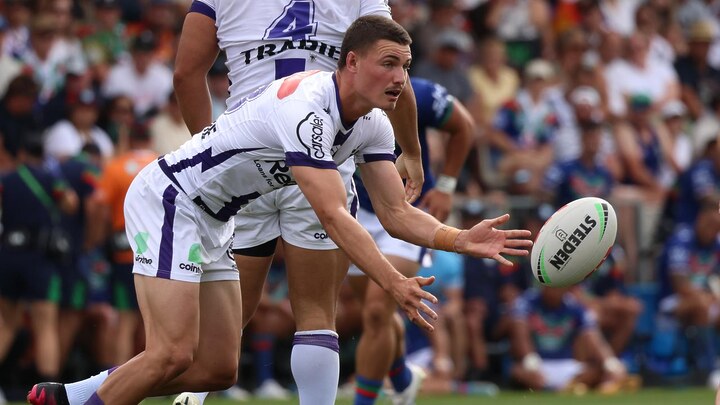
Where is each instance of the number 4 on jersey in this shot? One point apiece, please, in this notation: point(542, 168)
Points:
point(296, 22)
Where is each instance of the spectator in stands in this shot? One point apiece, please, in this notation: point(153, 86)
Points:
point(444, 65)
point(107, 44)
point(638, 74)
point(68, 137)
point(699, 185)
point(699, 82)
point(548, 325)
point(9, 66)
point(707, 127)
point(219, 85)
point(110, 196)
point(524, 130)
point(145, 80)
point(57, 108)
point(164, 19)
point(117, 119)
point(619, 15)
point(604, 294)
point(690, 277)
point(17, 115)
point(490, 289)
point(492, 79)
point(680, 154)
point(647, 22)
point(168, 130)
point(525, 27)
point(19, 14)
point(442, 15)
point(32, 246)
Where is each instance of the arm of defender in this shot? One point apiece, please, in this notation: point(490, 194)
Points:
point(325, 191)
point(459, 125)
point(404, 121)
point(197, 51)
point(403, 221)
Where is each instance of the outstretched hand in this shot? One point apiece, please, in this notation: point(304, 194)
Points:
point(411, 170)
point(485, 240)
point(408, 293)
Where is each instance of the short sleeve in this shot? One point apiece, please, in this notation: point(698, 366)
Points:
point(375, 7)
point(306, 134)
point(380, 139)
point(204, 7)
point(434, 103)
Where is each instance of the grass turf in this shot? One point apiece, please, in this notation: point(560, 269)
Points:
point(653, 396)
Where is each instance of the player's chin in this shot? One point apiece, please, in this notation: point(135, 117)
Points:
point(389, 103)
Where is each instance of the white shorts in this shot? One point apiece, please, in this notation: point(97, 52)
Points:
point(388, 245)
point(287, 213)
point(559, 373)
point(173, 238)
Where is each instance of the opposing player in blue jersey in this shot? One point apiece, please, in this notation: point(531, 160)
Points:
point(381, 347)
point(179, 212)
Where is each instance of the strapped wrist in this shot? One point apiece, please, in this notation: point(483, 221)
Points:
point(443, 238)
point(446, 184)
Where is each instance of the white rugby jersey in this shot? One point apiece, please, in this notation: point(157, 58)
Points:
point(248, 150)
point(266, 40)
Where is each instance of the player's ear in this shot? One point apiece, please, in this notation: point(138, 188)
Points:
point(352, 61)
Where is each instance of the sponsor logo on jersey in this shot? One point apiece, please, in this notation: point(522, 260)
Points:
point(268, 50)
point(313, 124)
point(143, 260)
point(573, 241)
point(320, 235)
point(191, 267)
point(276, 173)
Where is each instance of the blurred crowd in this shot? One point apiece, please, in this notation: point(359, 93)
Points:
point(618, 99)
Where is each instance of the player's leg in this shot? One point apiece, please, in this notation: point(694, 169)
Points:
point(314, 279)
point(125, 302)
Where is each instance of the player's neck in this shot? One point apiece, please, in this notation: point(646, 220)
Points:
point(352, 104)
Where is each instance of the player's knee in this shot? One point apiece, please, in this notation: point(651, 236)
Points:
point(377, 315)
point(222, 376)
point(171, 360)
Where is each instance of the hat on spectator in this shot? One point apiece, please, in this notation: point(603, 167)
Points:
point(640, 102)
point(585, 95)
point(453, 39)
point(144, 42)
point(107, 3)
point(674, 108)
point(702, 31)
point(539, 69)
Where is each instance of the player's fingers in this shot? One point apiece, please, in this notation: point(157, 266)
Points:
point(502, 260)
point(517, 233)
point(418, 320)
point(411, 192)
point(518, 243)
point(514, 252)
point(427, 310)
point(427, 296)
point(424, 281)
point(494, 222)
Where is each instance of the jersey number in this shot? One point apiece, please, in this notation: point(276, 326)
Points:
point(296, 22)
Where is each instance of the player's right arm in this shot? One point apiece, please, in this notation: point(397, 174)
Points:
point(197, 51)
point(325, 191)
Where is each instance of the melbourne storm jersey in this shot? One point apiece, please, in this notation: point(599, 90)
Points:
point(263, 44)
point(248, 150)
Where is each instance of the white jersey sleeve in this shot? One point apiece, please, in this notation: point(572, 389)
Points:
point(312, 140)
point(380, 143)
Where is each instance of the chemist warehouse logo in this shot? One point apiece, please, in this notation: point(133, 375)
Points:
point(312, 126)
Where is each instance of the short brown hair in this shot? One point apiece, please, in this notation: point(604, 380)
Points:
point(367, 30)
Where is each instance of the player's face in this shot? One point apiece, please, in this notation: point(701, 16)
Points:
point(382, 73)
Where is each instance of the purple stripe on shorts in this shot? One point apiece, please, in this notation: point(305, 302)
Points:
point(95, 400)
point(375, 157)
point(326, 341)
point(166, 241)
point(112, 369)
point(202, 8)
point(302, 159)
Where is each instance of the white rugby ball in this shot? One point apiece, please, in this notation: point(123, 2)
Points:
point(574, 242)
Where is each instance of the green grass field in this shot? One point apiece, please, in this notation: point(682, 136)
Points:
point(691, 396)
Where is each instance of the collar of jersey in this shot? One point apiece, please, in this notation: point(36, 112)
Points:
point(347, 125)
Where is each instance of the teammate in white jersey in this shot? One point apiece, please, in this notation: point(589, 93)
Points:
point(188, 295)
point(265, 41)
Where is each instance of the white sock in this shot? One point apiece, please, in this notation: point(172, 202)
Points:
point(315, 364)
point(79, 392)
point(201, 396)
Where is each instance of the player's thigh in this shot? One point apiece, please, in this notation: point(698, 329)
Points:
point(220, 324)
point(171, 314)
point(314, 279)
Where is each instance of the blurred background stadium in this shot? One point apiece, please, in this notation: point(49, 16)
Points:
point(618, 99)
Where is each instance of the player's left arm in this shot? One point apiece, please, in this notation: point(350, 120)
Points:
point(403, 221)
point(460, 125)
point(197, 51)
point(404, 121)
